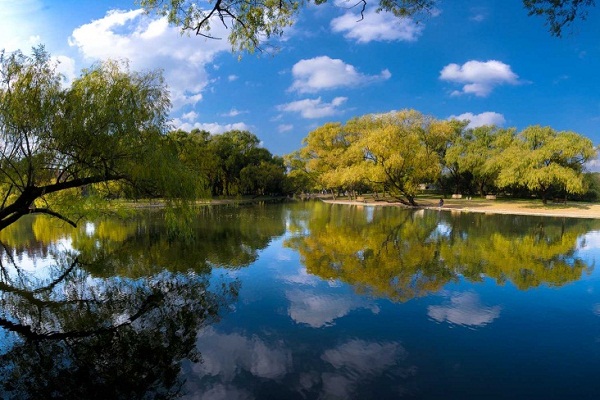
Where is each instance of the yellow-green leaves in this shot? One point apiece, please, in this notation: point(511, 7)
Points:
point(541, 159)
point(396, 151)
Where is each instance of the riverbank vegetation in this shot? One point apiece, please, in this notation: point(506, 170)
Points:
point(66, 149)
point(405, 153)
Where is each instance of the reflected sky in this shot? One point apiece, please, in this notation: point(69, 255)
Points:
point(373, 303)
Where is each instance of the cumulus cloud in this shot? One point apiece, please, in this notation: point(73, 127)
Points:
point(314, 108)
point(212, 127)
point(380, 27)
point(484, 118)
point(190, 117)
point(479, 78)
point(148, 42)
point(321, 73)
point(464, 309)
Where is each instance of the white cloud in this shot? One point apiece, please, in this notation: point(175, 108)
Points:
point(479, 78)
point(65, 66)
point(147, 43)
point(232, 78)
point(21, 24)
point(364, 357)
point(314, 108)
point(285, 128)
point(191, 116)
point(357, 362)
point(212, 127)
point(593, 165)
point(589, 241)
point(376, 27)
point(464, 309)
point(233, 113)
point(322, 73)
point(484, 118)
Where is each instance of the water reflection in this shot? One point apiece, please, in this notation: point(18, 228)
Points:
point(119, 306)
point(402, 254)
point(317, 310)
point(464, 309)
point(115, 312)
point(79, 337)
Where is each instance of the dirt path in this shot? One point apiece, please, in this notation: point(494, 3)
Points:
point(518, 207)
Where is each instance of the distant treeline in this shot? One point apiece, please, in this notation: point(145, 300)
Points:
point(402, 152)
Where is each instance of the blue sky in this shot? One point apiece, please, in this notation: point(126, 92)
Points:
point(482, 60)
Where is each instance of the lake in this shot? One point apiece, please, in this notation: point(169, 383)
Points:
point(302, 301)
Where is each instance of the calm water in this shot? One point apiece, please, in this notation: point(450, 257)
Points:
point(302, 301)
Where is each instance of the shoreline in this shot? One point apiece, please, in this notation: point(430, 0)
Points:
point(510, 207)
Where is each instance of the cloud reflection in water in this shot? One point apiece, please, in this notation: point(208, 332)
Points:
point(464, 309)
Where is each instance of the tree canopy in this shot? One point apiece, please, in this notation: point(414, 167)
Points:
point(58, 143)
point(400, 152)
point(252, 22)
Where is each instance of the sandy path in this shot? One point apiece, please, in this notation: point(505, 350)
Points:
point(519, 207)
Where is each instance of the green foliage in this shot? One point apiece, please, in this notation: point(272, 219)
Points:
point(545, 161)
point(474, 154)
point(252, 23)
point(559, 13)
point(233, 163)
point(62, 144)
point(396, 151)
point(401, 255)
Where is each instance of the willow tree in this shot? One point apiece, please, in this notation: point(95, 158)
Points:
point(544, 161)
point(330, 156)
point(401, 150)
point(475, 151)
point(252, 23)
point(58, 145)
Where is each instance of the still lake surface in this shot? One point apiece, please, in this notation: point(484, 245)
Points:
point(302, 301)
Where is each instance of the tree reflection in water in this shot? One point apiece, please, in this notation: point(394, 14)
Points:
point(403, 254)
point(116, 316)
point(80, 337)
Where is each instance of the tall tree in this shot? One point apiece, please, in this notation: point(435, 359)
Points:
point(474, 152)
point(252, 22)
point(401, 150)
point(108, 126)
point(542, 160)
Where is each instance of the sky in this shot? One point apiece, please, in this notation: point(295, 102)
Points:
point(481, 60)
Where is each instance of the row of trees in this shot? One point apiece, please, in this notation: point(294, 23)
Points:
point(108, 134)
point(230, 164)
point(400, 151)
point(63, 148)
